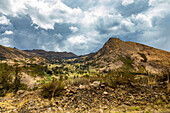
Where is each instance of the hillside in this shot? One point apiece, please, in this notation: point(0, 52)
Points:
point(117, 78)
point(10, 53)
point(51, 54)
point(35, 55)
point(116, 54)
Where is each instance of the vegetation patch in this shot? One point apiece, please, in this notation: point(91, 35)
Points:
point(127, 62)
point(10, 79)
point(52, 89)
point(115, 78)
point(143, 56)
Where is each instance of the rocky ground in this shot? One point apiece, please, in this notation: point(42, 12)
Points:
point(93, 97)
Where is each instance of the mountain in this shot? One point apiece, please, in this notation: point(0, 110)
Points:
point(114, 54)
point(51, 54)
point(117, 53)
point(35, 55)
point(10, 53)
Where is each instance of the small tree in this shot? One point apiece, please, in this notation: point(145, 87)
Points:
point(17, 82)
point(5, 79)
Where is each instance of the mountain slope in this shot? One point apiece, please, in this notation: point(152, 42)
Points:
point(13, 53)
point(10, 53)
point(51, 54)
point(116, 53)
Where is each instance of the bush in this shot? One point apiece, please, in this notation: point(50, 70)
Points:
point(35, 69)
point(52, 89)
point(121, 77)
point(143, 56)
point(78, 81)
point(17, 83)
point(127, 62)
point(5, 79)
point(10, 79)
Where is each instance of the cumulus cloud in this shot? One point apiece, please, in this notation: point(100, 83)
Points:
point(73, 29)
point(6, 42)
point(7, 33)
point(127, 2)
point(83, 26)
point(4, 20)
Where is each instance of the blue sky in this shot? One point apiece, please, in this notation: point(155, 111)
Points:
point(83, 26)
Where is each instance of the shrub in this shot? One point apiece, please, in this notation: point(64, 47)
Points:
point(35, 69)
point(49, 72)
point(17, 82)
point(78, 81)
point(10, 79)
point(119, 77)
point(52, 89)
point(143, 56)
point(5, 79)
point(127, 62)
point(2, 57)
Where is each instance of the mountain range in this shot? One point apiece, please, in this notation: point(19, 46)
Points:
point(114, 54)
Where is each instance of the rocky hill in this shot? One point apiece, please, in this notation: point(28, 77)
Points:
point(116, 53)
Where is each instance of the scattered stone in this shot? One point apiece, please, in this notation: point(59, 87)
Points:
point(102, 86)
point(72, 91)
point(95, 84)
point(105, 93)
point(83, 86)
point(105, 107)
point(88, 99)
point(19, 92)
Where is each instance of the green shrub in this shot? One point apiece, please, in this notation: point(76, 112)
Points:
point(35, 69)
point(78, 81)
point(52, 89)
point(119, 77)
point(5, 79)
point(10, 79)
point(22, 86)
point(127, 62)
point(2, 57)
point(143, 56)
point(17, 83)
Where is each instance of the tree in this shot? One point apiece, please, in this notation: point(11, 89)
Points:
point(5, 79)
point(17, 82)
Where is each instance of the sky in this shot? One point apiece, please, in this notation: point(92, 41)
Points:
point(83, 26)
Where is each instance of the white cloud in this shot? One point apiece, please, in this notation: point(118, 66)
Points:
point(44, 13)
point(12, 7)
point(8, 33)
point(127, 2)
point(4, 20)
point(73, 29)
point(158, 2)
point(6, 42)
point(83, 26)
point(77, 40)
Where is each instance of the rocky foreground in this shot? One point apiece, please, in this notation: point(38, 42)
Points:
point(92, 97)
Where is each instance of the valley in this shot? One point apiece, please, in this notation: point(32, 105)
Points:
point(120, 77)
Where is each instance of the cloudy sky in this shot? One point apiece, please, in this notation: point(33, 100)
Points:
point(83, 26)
